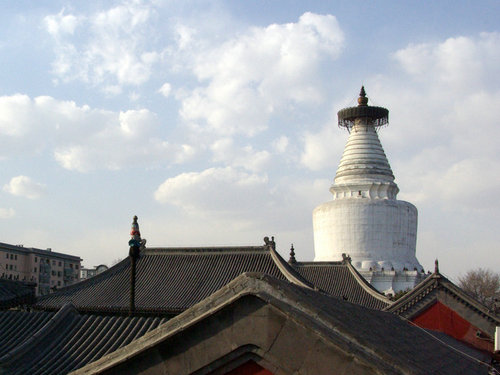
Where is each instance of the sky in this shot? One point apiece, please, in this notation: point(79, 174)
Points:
point(215, 121)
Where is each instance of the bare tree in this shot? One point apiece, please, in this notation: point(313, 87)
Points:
point(483, 285)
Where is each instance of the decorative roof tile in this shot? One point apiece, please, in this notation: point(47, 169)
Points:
point(57, 343)
point(14, 293)
point(170, 280)
point(340, 279)
point(380, 339)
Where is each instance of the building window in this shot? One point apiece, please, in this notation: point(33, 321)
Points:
point(36, 259)
point(59, 273)
point(53, 273)
point(12, 256)
point(34, 269)
point(53, 262)
point(59, 264)
point(76, 266)
point(15, 257)
point(58, 283)
point(70, 265)
point(10, 267)
point(7, 256)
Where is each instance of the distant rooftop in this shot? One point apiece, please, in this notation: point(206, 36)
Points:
point(41, 252)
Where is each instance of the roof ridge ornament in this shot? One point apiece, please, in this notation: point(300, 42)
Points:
point(292, 259)
point(135, 244)
point(362, 100)
point(270, 243)
point(135, 234)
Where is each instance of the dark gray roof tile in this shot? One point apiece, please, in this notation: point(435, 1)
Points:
point(169, 280)
point(57, 343)
point(14, 293)
point(340, 279)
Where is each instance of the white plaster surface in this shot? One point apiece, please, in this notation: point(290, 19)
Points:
point(365, 220)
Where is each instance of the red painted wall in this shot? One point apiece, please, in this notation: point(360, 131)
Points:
point(249, 368)
point(441, 318)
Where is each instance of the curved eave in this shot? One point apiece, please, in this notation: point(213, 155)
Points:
point(367, 286)
point(436, 281)
point(290, 274)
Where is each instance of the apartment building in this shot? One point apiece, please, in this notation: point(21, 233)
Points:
point(87, 273)
point(48, 269)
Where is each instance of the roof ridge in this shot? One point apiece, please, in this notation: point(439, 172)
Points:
point(433, 281)
point(319, 263)
point(291, 275)
point(366, 286)
point(203, 249)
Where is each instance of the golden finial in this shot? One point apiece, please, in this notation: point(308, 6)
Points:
point(362, 100)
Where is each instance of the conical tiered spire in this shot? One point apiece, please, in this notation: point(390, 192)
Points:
point(363, 157)
point(364, 168)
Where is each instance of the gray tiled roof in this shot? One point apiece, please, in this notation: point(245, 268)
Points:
point(437, 287)
point(13, 293)
point(18, 326)
point(381, 339)
point(169, 280)
point(340, 279)
point(396, 340)
point(56, 343)
point(411, 303)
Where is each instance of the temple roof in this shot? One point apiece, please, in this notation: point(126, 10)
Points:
point(14, 293)
point(437, 287)
point(376, 341)
point(170, 280)
point(341, 279)
point(57, 343)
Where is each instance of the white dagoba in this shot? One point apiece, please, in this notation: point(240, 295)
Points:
point(365, 220)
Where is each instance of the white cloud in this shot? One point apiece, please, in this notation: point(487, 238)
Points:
point(61, 24)
point(214, 190)
point(460, 63)
point(24, 186)
point(255, 74)
point(7, 213)
point(110, 48)
point(125, 139)
point(84, 139)
point(165, 89)
point(446, 110)
point(224, 150)
point(281, 144)
point(322, 150)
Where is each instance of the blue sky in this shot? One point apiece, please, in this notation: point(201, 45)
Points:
point(215, 121)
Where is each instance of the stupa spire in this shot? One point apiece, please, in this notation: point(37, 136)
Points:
point(362, 100)
point(364, 160)
point(365, 219)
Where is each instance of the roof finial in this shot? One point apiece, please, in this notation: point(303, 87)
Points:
point(436, 266)
point(134, 252)
point(135, 234)
point(362, 100)
point(292, 259)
